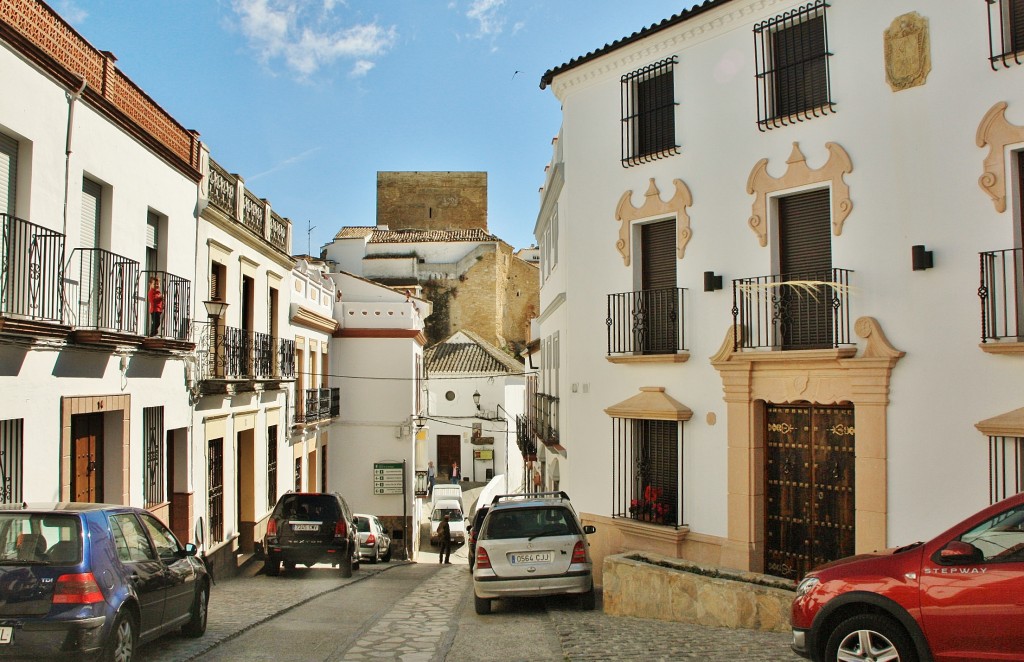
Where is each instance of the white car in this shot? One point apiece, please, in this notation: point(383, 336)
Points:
point(456, 521)
point(374, 543)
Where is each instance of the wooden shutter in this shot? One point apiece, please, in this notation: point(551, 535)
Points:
point(658, 257)
point(91, 211)
point(800, 77)
point(655, 105)
point(1017, 25)
point(806, 317)
point(8, 173)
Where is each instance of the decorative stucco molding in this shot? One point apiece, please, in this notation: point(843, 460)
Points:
point(908, 59)
point(761, 184)
point(996, 132)
point(653, 205)
point(652, 403)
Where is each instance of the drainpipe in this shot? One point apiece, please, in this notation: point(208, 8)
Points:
point(72, 98)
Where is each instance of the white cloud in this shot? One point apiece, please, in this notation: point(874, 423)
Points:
point(307, 38)
point(71, 12)
point(361, 68)
point(291, 160)
point(487, 14)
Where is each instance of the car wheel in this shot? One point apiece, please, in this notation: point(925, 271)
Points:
point(387, 555)
point(588, 600)
point(121, 642)
point(196, 625)
point(373, 558)
point(271, 567)
point(483, 605)
point(289, 566)
point(869, 637)
point(346, 568)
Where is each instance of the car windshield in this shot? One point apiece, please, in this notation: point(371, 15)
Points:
point(454, 514)
point(530, 523)
point(314, 507)
point(39, 538)
point(363, 524)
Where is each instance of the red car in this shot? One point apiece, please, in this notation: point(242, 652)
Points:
point(959, 596)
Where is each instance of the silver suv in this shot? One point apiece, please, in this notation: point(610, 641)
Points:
point(532, 545)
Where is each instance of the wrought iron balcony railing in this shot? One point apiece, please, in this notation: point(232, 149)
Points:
point(31, 271)
point(544, 418)
point(251, 212)
point(317, 404)
point(176, 319)
point(792, 311)
point(99, 291)
point(229, 353)
point(646, 322)
point(524, 438)
point(1002, 295)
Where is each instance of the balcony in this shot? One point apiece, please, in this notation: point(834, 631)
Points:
point(792, 311)
point(317, 404)
point(232, 360)
point(172, 331)
point(1001, 291)
point(646, 326)
point(524, 438)
point(228, 195)
point(100, 297)
point(31, 279)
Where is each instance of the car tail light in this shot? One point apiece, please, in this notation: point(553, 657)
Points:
point(370, 539)
point(80, 589)
point(272, 527)
point(483, 561)
point(340, 530)
point(579, 553)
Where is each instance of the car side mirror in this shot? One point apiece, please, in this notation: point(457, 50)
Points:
point(589, 528)
point(190, 549)
point(957, 551)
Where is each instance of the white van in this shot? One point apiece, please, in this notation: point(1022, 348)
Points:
point(456, 521)
point(447, 492)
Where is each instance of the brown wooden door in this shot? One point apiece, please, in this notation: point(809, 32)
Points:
point(448, 451)
point(87, 458)
point(809, 504)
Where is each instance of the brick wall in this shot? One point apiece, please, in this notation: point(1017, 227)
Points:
point(432, 200)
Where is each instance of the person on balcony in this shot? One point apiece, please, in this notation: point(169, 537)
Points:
point(156, 305)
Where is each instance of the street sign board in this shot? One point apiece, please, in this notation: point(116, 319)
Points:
point(388, 477)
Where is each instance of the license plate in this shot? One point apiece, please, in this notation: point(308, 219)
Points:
point(6, 634)
point(305, 526)
point(534, 557)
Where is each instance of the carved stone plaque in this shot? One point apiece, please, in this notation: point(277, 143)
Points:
point(908, 58)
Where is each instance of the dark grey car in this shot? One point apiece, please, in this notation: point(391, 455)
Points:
point(308, 528)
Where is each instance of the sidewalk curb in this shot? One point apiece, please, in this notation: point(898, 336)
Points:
point(283, 610)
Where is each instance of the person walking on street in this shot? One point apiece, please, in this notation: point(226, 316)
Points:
point(455, 473)
point(445, 532)
point(431, 477)
point(156, 305)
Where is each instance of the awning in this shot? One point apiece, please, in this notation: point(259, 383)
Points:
point(651, 404)
point(1010, 424)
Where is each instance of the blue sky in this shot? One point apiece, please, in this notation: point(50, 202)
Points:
point(308, 99)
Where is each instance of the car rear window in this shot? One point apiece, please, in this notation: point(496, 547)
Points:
point(454, 514)
point(40, 538)
point(313, 507)
point(530, 523)
point(362, 525)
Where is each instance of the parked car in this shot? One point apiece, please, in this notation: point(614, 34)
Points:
point(474, 529)
point(374, 544)
point(310, 528)
point(955, 597)
point(456, 521)
point(94, 580)
point(532, 545)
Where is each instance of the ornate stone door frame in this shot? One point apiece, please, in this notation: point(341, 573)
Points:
point(832, 376)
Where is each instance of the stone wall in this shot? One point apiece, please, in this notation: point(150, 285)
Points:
point(475, 303)
point(649, 585)
point(521, 294)
point(432, 200)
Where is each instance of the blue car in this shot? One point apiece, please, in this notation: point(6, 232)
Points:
point(94, 580)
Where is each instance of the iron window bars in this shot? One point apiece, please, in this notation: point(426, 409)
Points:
point(153, 454)
point(647, 471)
point(1005, 32)
point(1005, 467)
point(1001, 290)
point(648, 113)
point(791, 60)
point(271, 466)
point(646, 322)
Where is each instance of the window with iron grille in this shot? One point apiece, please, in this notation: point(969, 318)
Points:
point(791, 63)
point(215, 485)
point(153, 454)
point(271, 466)
point(11, 459)
point(1005, 32)
point(647, 470)
point(649, 113)
point(298, 474)
point(1005, 467)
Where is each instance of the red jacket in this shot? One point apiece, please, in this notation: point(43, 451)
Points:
point(156, 300)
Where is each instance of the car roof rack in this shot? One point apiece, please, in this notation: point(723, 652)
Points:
point(529, 495)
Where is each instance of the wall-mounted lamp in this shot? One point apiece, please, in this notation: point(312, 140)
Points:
point(920, 258)
point(476, 399)
point(712, 282)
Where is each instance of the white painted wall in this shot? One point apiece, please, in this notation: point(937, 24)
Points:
point(915, 181)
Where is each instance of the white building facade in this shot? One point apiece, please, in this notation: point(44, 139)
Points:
point(98, 191)
point(780, 255)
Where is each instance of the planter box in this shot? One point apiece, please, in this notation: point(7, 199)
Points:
point(653, 586)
